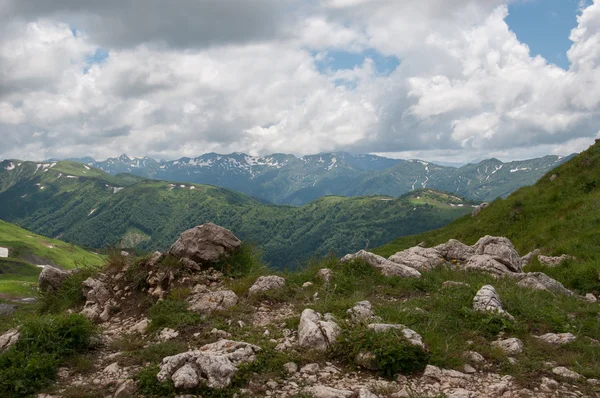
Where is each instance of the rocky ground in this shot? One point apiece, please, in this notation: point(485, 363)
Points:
point(181, 324)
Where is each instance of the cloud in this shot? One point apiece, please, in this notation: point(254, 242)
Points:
point(240, 76)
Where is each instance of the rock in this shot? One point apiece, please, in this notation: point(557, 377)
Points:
point(468, 369)
point(548, 385)
point(540, 281)
point(554, 261)
point(213, 365)
point(306, 284)
point(479, 208)
point(167, 334)
point(51, 279)
point(419, 258)
point(98, 300)
point(265, 283)
point(432, 373)
point(455, 250)
point(553, 177)
point(310, 368)
point(526, 259)
point(590, 298)
point(459, 393)
point(449, 284)
point(367, 360)
point(206, 244)
point(127, 389)
point(362, 311)
point(190, 265)
point(315, 333)
point(204, 301)
point(557, 338)
point(413, 337)
point(8, 339)
point(474, 357)
point(290, 367)
point(486, 263)
point(386, 267)
point(325, 274)
point(500, 249)
point(566, 373)
point(7, 309)
point(328, 392)
point(155, 259)
point(511, 346)
point(487, 300)
point(364, 393)
point(112, 370)
point(141, 327)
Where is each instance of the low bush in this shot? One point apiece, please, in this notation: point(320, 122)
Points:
point(70, 294)
point(172, 314)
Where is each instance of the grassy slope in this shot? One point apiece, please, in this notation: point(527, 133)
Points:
point(557, 217)
point(18, 274)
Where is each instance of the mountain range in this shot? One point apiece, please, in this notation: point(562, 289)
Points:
point(286, 179)
point(86, 206)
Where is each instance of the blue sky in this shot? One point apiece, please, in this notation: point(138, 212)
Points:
point(545, 26)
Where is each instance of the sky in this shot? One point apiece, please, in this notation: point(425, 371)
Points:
point(445, 80)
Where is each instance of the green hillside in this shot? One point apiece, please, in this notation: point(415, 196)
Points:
point(558, 216)
point(88, 207)
point(26, 250)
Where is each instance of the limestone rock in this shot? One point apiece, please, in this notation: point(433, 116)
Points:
point(367, 360)
point(511, 346)
point(386, 267)
point(167, 334)
point(362, 311)
point(51, 279)
point(290, 367)
point(566, 373)
point(590, 298)
point(204, 301)
point(98, 300)
point(554, 261)
point(488, 300)
point(316, 333)
point(213, 365)
point(7, 309)
point(328, 392)
point(486, 263)
point(419, 258)
point(526, 259)
point(155, 259)
point(455, 250)
point(141, 327)
point(557, 338)
point(206, 244)
point(413, 337)
point(540, 281)
point(364, 393)
point(265, 283)
point(479, 208)
point(500, 249)
point(474, 357)
point(325, 274)
point(127, 389)
point(8, 339)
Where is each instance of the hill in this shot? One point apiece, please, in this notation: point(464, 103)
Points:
point(558, 215)
point(286, 179)
point(23, 252)
point(86, 206)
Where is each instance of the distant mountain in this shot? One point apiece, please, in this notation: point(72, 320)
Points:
point(286, 179)
point(83, 205)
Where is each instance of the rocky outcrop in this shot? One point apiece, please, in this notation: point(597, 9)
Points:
point(386, 267)
point(98, 300)
point(8, 339)
point(419, 258)
point(266, 283)
point(455, 250)
point(204, 301)
point(540, 281)
point(206, 244)
point(317, 332)
point(554, 261)
point(488, 300)
point(511, 346)
point(51, 279)
point(477, 210)
point(213, 365)
point(500, 249)
point(557, 338)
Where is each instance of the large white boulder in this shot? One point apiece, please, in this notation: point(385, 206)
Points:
point(419, 258)
point(500, 249)
point(316, 333)
point(488, 300)
point(265, 283)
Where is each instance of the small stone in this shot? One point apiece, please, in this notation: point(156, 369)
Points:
point(566, 373)
point(167, 334)
point(590, 298)
point(468, 369)
point(311, 368)
point(127, 389)
point(307, 284)
point(290, 367)
point(511, 346)
point(557, 338)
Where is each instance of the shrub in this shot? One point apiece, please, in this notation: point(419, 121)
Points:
point(247, 261)
point(393, 352)
point(171, 313)
point(32, 363)
point(70, 294)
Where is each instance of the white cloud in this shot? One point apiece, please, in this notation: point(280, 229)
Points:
point(465, 86)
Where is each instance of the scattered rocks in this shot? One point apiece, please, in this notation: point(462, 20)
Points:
point(213, 365)
point(550, 261)
point(488, 300)
point(500, 249)
point(204, 301)
point(419, 258)
point(566, 373)
point(98, 300)
point(8, 339)
point(511, 346)
point(51, 279)
point(265, 283)
point(386, 267)
point(206, 244)
point(477, 210)
point(316, 333)
point(557, 338)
